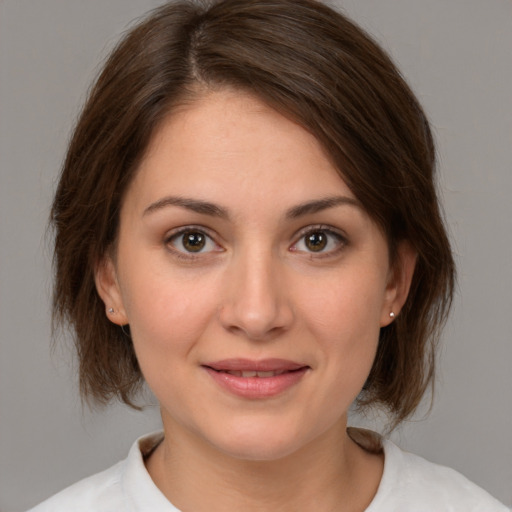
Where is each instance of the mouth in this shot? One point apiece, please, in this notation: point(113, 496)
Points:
point(250, 373)
point(263, 368)
point(256, 379)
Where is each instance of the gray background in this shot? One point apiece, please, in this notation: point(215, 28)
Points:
point(457, 55)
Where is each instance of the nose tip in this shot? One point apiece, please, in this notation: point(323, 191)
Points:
point(257, 306)
point(257, 323)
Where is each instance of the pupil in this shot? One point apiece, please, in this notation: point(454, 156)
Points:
point(194, 241)
point(316, 241)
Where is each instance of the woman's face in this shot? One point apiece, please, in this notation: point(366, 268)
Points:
point(254, 283)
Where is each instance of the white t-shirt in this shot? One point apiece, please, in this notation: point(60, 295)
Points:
point(409, 484)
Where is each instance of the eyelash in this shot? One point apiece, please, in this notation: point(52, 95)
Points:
point(188, 255)
point(341, 242)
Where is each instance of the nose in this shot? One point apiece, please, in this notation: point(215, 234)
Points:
point(256, 304)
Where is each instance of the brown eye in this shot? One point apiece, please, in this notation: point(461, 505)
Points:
point(321, 241)
point(193, 241)
point(316, 241)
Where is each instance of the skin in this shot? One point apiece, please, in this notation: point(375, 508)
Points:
point(256, 290)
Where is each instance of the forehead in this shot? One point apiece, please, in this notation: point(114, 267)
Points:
point(226, 142)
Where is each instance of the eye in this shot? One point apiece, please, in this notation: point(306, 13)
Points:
point(319, 240)
point(192, 241)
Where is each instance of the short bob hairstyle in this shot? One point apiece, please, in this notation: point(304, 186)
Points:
point(312, 65)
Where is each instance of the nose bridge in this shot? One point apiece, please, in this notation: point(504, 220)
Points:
point(256, 302)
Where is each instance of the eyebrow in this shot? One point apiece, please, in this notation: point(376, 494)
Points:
point(207, 208)
point(195, 205)
point(319, 205)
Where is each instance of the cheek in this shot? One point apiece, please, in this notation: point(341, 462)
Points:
point(344, 305)
point(167, 315)
point(345, 319)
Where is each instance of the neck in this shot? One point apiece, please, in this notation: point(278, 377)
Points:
point(330, 473)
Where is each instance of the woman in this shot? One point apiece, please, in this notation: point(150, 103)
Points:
point(247, 221)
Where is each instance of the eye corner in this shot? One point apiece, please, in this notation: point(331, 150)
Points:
point(330, 242)
point(199, 244)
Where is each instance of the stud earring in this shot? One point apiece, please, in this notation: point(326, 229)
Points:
point(111, 310)
point(392, 315)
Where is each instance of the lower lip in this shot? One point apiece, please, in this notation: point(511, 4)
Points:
point(257, 387)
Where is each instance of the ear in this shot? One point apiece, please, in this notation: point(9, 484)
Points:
point(107, 285)
point(399, 282)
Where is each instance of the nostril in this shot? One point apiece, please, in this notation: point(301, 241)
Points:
point(256, 310)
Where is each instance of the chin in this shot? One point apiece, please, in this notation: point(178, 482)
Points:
point(264, 442)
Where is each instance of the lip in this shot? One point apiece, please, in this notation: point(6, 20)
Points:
point(286, 375)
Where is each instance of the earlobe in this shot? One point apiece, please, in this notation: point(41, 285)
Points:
point(399, 283)
point(107, 286)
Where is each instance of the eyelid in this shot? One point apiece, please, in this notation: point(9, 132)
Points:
point(179, 231)
point(188, 227)
point(331, 230)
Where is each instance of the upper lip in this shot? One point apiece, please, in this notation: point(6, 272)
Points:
point(262, 365)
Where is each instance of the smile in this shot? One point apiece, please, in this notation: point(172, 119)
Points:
point(256, 379)
point(261, 375)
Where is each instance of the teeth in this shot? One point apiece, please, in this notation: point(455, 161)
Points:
point(238, 373)
point(266, 374)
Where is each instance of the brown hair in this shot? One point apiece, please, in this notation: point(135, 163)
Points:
point(314, 66)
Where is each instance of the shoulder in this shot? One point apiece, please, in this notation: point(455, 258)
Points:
point(100, 492)
point(125, 486)
point(411, 483)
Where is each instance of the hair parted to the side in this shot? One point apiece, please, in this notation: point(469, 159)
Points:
point(312, 65)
